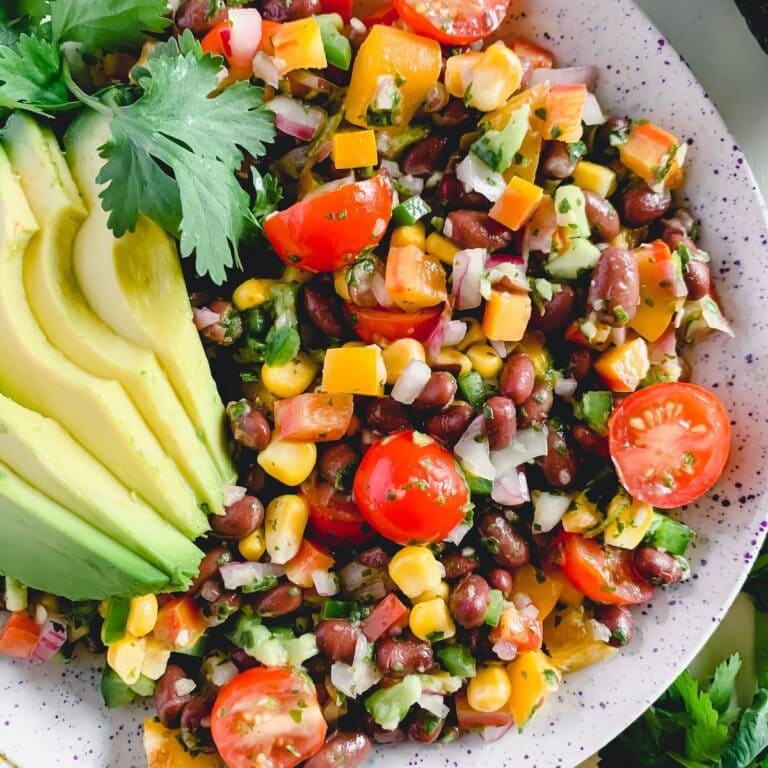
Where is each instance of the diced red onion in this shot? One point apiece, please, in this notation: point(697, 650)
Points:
point(211, 591)
point(264, 69)
point(325, 583)
point(436, 339)
point(413, 184)
point(205, 318)
point(324, 151)
point(245, 30)
point(592, 114)
point(565, 387)
point(455, 332)
point(353, 574)
point(528, 445)
point(375, 590)
point(505, 650)
point(411, 382)
point(489, 734)
point(530, 611)
point(294, 118)
point(468, 267)
point(233, 494)
point(473, 450)
point(391, 167)
point(310, 80)
point(511, 488)
point(379, 289)
point(664, 347)
point(476, 176)
point(507, 270)
point(566, 76)
point(434, 703)
point(52, 636)
point(236, 575)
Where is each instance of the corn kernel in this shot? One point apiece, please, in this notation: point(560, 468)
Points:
point(485, 360)
point(142, 616)
point(454, 358)
point(291, 379)
point(442, 248)
point(398, 354)
point(286, 519)
point(252, 293)
point(253, 546)
point(489, 690)
point(442, 592)
point(473, 336)
point(431, 620)
point(126, 657)
point(340, 284)
point(415, 570)
point(293, 274)
point(290, 463)
point(595, 178)
point(413, 234)
point(155, 659)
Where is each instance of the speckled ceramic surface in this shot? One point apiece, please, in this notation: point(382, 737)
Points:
point(53, 716)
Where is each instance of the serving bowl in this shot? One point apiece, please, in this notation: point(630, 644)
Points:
point(53, 715)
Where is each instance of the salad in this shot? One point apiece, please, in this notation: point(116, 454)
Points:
point(399, 441)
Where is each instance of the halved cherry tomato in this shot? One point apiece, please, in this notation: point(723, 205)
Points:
point(180, 623)
point(330, 229)
point(408, 488)
point(334, 518)
point(237, 39)
point(267, 711)
point(310, 558)
point(19, 635)
point(669, 443)
point(472, 720)
point(455, 22)
point(604, 574)
point(372, 324)
point(314, 417)
point(342, 7)
point(522, 631)
point(388, 613)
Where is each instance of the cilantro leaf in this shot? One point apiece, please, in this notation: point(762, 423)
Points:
point(705, 736)
point(108, 24)
point(268, 195)
point(752, 737)
point(721, 689)
point(173, 154)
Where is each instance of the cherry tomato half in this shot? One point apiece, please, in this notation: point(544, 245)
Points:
point(334, 518)
point(604, 574)
point(378, 323)
point(409, 489)
point(669, 443)
point(237, 39)
point(455, 22)
point(330, 229)
point(271, 712)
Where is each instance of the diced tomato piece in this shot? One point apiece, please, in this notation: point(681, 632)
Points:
point(314, 417)
point(387, 614)
point(342, 7)
point(19, 635)
point(180, 623)
point(310, 558)
point(375, 324)
point(522, 631)
point(334, 518)
point(237, 39)
point(472, 720)
point(532, 56)
point(565, 107)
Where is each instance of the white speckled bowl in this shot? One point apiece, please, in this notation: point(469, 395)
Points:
point(53, 716)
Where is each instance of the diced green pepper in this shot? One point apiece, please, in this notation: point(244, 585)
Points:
point(479, 485)
point(338, 50)
point(472, 388)
point(410, 211)
point(495, 606)
point(595, 408)
point(116, 620)
point(670, 535)
point(458, 660)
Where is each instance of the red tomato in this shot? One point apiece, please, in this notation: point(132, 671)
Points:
point(271, 712)
point(524, 632)
point(180, 623)
point(604, 574)
point(377, 323)
point(389, 612)
point(329, 229)
point(531, 55)
point(455, 22)
point(314, 417)
point(472, 720)
point(309, 558)
point(237, 39)
point(669, 443)
point(409, 489)
point(342, 7)
point(19, 635)
point(333, 516)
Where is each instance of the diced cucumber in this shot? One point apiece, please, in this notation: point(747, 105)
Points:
point(595, 408)
point(670, 535)
point(114, 691)
point(410, 211)
point(15, 595)
point(579, 258)
point(548, 510)
point(144, 687)
point(495, 606)
point(571, 210)
point(497, 148)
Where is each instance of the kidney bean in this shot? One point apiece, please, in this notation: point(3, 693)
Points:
point(437, 393)
point(375, 557)
point(479, 642)
point(614, 292)
point(379, 735)
point(344, 750)
point(500, 422)
point(222, 608)
point(613, 126)
point(468, 601)
point(323, 310)
point(425, 728)
point(603, 218)
point(503, 580)
point(337, 464)
point(398, 658)
point(642, 205)
point(278, 601)
point(254, 479)
point(386, 415)
point(425, 157)
point(475, 229)
point(168, 703)
point(619, 621)
point(559, 465)
point(452, 191)
point(336, 638)
point(194, 15)
point(209, 567)
point(242, 660)
point(558, 163)
point(454, 114)
point(289, 10)
point(558, 311)
point(517, 378)
point(239, 519)
point(457, 564)
point(580, 364)
point(537, 407)
point(195, 724)
point(697, 279)
point(657, 567)
point(680, 221)
point(249, 426)
point(505, 543)
point(449, 424)
point(589, 441)
point(228, 328)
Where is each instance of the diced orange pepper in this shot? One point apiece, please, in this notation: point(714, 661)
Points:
point(543, 590)
point(544, 217)
point(647, 150)
point(622, 368)
point(506, 315)
point(180, 623)
point(268, 29)
point(517, 204)
point(533, 678)
point(533, 55)
point(19, 635)
point(309, 558)
point(414, 279)
point(299, 45)
point(565, 107)
point(354, 149)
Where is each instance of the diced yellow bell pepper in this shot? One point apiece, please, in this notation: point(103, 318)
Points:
point(289, 462)
point(628, 521)
point(284, 525)
point(622, 368)
point(407, 62)
point(298, 45)
point(584, 517)
point(126, 657)
point(650, 151)
point(164, 749)
point(533, 678)
point(484, 80)
point(155, 659)
point(398, 354)
point(542, 589)
point(354, 149)
point(291, 379)
point(569, 595)
point(533, 346)
point(506, 315)
point(354, 370)
point(252, 293)
point(570, 643)
point(442, 247)
point(432, 621)
point(414, 279)
point(595, 178)
point(412, 234)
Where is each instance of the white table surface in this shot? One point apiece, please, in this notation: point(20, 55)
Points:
point(713, 38)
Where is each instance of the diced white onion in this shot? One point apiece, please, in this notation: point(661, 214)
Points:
point(357, 25)
point(566, 76)
point(223, 673)
point(489, 734)
point(468, 267)
point(379, 289)
point(511, 488)
point(476, 176)
point(456, 536)
point(362, 674)
point(505, 650)
point(599, 631)
point(473, 451)
point(528, 445)
point(455, 332)
point(434, 703)
point(353, 575)
point(592, 114)
point(386, 92)
point(411, 382)
point(434, 180)
point(391, 167)
point(413, 184)
point(500, 347)
point(325, 583)
point(565, 387)
point(264, 69)
point(184, 686)
point(236, 575)
point(548, 510)
point(233, 494)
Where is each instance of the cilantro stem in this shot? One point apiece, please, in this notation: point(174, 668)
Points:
point(84, 98)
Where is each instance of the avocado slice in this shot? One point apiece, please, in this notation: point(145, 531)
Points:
point(73, 327)
point(46, 547)
point(135, 284)
point(44, 455)
point(97, 412)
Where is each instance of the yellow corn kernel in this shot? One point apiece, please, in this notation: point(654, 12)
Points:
point(629, 521)
point(595, 178)
point(459, 70)
point(398, 354)
point(415, 571)
point(340, 284)
point(354, 370)
point(103, 608)
point(253, 546)
point(442, 592)
point(431, 620)
point(452, 357)
point(289, 462)
point(533, 346)
point(473, 336)
point(354, 149)
point(485, 360)
point(532, 677)
point(284, 525)
point(441, 247)
point(291, 379)
point(293, 274)
point(142, 616)
point(126, 657)
point(252, 293)
point(489, 690)
point(413, 234)
point(155, 659)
